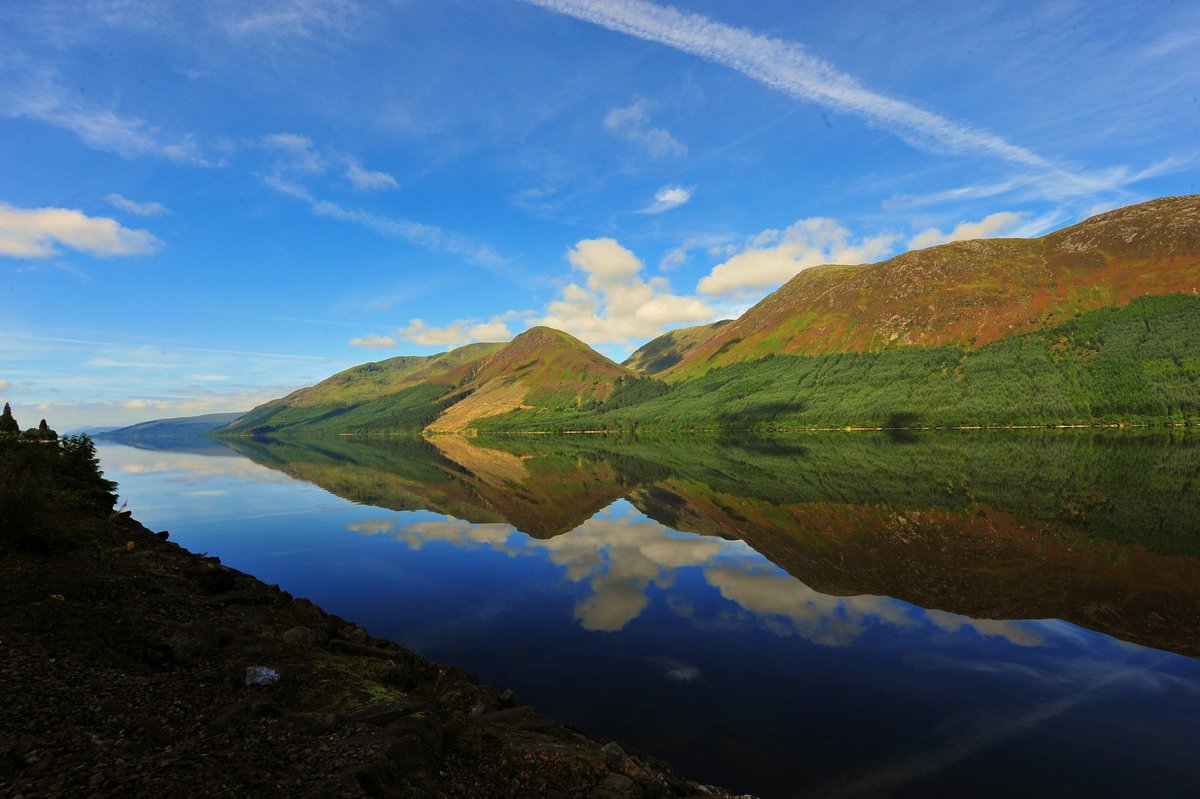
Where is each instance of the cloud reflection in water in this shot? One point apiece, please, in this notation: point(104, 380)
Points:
point(620, 553)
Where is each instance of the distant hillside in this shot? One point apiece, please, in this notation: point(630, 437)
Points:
point(968, 293)
point(403, 392)
point(542, 368)
point(662, 353)
point(168, 430)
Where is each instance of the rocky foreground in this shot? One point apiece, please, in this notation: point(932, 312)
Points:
point(136, 668)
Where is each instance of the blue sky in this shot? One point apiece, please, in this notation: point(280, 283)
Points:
point(205, 205)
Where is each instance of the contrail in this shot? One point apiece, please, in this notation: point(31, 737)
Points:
point(788, 68)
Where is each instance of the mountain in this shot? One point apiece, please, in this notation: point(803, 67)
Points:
point(1094, 323)
point(407, 391)
point(541, 497)
point(93, 430)
point(168, 431)
point(662, 353)
point(541, 369)
point(968, 293)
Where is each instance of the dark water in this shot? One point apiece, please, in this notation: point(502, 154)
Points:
point(838, 615)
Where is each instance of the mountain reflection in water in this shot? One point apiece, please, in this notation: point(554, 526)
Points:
point(827, 615)
point(1102, 530)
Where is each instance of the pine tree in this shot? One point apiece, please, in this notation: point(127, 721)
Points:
point(7, 423)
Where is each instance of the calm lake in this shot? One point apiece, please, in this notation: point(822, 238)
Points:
point(836, 615)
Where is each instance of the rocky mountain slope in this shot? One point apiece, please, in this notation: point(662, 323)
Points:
point(968, 293)
point(541, 368)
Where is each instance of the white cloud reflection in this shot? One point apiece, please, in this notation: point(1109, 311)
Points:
point(619, 554)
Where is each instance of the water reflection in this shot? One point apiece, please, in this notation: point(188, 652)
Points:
point(832, 618)
point(620, 554)
point(1101, 530)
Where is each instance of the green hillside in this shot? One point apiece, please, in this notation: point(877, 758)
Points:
point(660, 354)
point(399, 393)
point(1139, 363)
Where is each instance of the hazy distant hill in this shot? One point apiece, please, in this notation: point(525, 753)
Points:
point(167, 431)
point(92, 430)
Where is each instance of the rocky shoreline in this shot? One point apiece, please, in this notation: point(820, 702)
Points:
point(136, 668)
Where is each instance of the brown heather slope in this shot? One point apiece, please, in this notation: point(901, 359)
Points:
point(541, 368)
point(969, 292)
point(660, 354)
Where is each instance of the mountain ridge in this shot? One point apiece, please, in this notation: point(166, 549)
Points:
point(969, 292)
point(1040, 322)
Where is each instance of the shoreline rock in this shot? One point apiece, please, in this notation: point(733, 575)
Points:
point(136, 667)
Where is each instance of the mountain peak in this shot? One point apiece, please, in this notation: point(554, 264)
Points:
point(541, 368)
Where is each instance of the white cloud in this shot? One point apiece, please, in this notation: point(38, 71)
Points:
point(632, 123)
point(41, 99)
point(227, 403)
point(666, 198)
point(301, 156)
point(715, 245)
point(789, 607)
point(372, 341)
point(420, 333)
point(4, 385)
point(300, 162)
point(774, 257)
point(616, 305)
point(136, 208)
point(457, 533)
point(1053, 185)
point(302, 19)
point(430, 237)
point(1021, 634)
point(789, 68)
point(34, 233)
point(992, 225)
point(461, 331)
point(366, 179)
point(376, 527)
